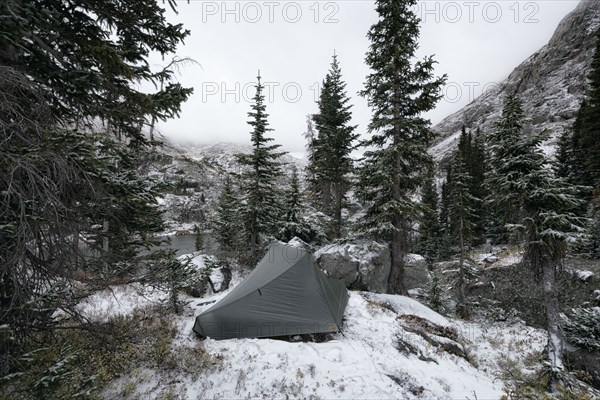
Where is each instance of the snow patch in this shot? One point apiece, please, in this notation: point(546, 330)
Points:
point(583, 275)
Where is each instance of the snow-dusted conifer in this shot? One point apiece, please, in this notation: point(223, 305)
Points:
point(430, 230)
point(544, 208)
point(336, 140)
point(226, 223)
point(294, 224)
point(261, 199)
point(511, 159)
point(399, 91)
point(463, 218)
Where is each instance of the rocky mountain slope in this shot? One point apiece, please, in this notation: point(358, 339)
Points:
point(196, 174)
point(550, 82)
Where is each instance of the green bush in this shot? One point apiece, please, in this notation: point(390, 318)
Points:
point(76, 363)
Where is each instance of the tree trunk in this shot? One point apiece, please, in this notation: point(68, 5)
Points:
point(326, 200)
point(555, 333)
point(462, 282)
point(398, 246)
point(337, 229)
point(398, 251)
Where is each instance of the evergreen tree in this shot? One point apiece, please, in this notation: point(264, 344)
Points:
point(588, 130)
point(430, 229)
point(463, 223)
point(332, 162)
point(471, 153)
point(261, 203)
point(397, 160)
point(446, 227)
point(71, 119)
point(85, 57)
point(578, 151)
point(478, 164)
point(510, 161)
point(293, 222)
point(550, 223)
point(465, 144)
point(543, 210)
point(563, 166)
point(311, 176)
point(585, 162)
point(226, 223)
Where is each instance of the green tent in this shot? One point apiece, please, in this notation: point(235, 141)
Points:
point(286, 294)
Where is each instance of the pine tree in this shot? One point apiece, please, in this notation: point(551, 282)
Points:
point(563, 166)
point(84, 58)
point(311, 176)
point(398, 93)
point(588, 131)
point(430, 230)
point(332, 162)
point(510, 161)
point(585, 162)
point(261, 202)
point(226, 223)
point(471, 152)
point(477, 169)
point(578, 150)
point(71, 126)
point(550, 222)
point(463, 223)
point(544, 207)
point(293, 222)
point(445, 221)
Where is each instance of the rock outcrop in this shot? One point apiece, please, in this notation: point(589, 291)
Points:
point(361, 266)
point(366, 266)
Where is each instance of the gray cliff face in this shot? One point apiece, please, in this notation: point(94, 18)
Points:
point(551, 83)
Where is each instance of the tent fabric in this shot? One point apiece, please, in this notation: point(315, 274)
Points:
point(286, 294)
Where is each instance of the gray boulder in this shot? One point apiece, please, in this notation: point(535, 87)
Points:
point(363, 265)
point(416, 273)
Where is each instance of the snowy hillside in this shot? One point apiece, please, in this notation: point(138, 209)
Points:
point(550, 82)
point(390, 347)
point(196, 174)
point(221, 154)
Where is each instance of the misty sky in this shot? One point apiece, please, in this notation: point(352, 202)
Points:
point(476, 43)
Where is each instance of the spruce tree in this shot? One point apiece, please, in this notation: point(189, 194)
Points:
point(399, 92)
point(585, 162)
point(293, 222)
point(578, 151)
point(336, 140)
point(226, 223)
point(311, 176)
point(463, 219)
point(430, 229)
point(550, 222)
point(544, 208)
point(509, 162)
point(477, 170)
point(261, 199)
point(71, 126)
point(471, 154)
point(445, 221)
point(588, 131)
point(563, 166)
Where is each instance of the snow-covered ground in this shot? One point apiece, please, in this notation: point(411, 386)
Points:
point(368, 359)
